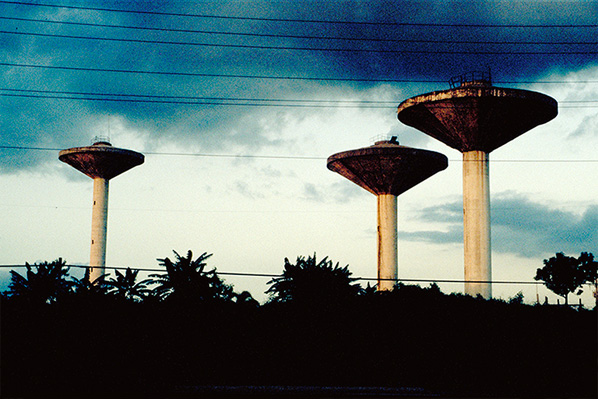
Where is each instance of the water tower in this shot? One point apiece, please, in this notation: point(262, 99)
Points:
point(101, 162)
point(387, 170)
point(475, 118)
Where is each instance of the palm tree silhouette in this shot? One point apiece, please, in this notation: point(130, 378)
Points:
point(186, 279)
point(126, 287)
point(45, 284)
point(85, 288)
point(309, 281)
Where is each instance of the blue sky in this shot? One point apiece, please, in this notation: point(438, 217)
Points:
point(257, 189)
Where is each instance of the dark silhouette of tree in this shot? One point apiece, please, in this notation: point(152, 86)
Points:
point(517, 299)
point(126, 287)
point(565, 274)
point(309, 281)
point(43, 283)
point(187, 280)
point(48, 351)
point(84, 288)
point(246, 299)
point(590, 270)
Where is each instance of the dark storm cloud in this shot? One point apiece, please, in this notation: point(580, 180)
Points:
point(62, 123)
point(519, 226)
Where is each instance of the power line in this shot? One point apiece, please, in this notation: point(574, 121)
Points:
point(270, 275)
point(227, 99)
point(268, 77)
point(311, 21)
point(86, 93)
point(237, 210)
point(9, 147)
point(319, 49)
point(196, 211)
point(215, 75)
point(287, 36)
point(234, 104)
point(231, 102)
point(240, 104)
point(297, 157)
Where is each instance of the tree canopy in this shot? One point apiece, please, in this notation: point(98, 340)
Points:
point(187, 280)
point(204, 335)
point(125, 286)
point(564, 274)
point(43, 283)
point(308, 280)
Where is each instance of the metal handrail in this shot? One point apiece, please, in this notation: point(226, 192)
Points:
point(484, 77)
point(101, 139)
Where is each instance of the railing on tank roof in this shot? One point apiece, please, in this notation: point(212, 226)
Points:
point(483, 77)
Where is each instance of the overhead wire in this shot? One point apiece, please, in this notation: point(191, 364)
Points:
point(180, 101)
point(296, 20)
point(296, 157)
point(268, 77)
point(283, 100)
point(319, 49)
point(239, 102)
point(221, 103)
point(212, 75)
point(10, 147)
point(288, 36)
point(199, 97)
point(271, 275)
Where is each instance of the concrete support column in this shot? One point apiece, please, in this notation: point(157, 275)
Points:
point(99, 223)
point(387, 241)
point(476, 223)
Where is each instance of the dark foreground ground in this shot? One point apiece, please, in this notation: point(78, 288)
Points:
point(413, 342)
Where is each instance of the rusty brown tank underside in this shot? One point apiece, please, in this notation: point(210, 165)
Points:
point(386, 168)
point(102, 161)
point(477, 118)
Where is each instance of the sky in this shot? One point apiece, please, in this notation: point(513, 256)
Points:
point(237, 104)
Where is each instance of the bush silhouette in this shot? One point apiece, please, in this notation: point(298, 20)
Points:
point(309, 281)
